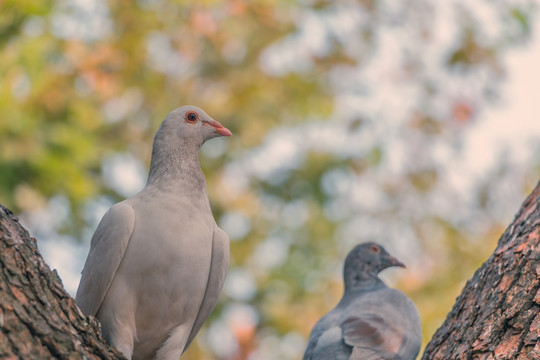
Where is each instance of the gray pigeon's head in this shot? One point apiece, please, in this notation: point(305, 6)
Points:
point(191, 124)
point(369, 258)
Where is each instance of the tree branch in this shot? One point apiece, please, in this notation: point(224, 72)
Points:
point(497, 314)
point(38, 318)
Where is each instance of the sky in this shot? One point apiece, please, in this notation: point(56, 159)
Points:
point(514, 122)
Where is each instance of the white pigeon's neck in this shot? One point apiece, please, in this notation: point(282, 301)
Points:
point(177, 167)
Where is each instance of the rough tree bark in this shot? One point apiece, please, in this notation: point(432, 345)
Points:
point(38, 318)
point(497, 314)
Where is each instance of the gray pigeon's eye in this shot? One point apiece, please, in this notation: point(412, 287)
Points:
point(375, 249)
point(192, 116)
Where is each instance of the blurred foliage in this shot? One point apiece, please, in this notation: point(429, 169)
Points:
point(82, 81)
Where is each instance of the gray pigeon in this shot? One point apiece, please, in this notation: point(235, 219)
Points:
point(372, 321)
point(157, 260)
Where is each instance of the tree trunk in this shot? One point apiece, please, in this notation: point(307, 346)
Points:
point(38, 319)
point(496, 316)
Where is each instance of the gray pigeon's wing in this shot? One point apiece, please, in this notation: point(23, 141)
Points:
point(107, 248)
point(313, 340)
point(329, 345)
point(324, 325)
point(382, 324)
point(372, 337)
point(218, 270)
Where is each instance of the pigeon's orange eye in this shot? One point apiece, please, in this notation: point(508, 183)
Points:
point(375, 249)
point(192, 116)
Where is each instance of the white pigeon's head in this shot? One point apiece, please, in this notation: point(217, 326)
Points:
point(191, 124)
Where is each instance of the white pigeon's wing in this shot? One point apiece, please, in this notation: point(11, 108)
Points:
point(107, 249)
point(216, 277)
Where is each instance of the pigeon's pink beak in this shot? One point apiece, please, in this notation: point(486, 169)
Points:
point(220, 129)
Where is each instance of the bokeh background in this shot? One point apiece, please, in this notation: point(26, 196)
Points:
point(414, 123)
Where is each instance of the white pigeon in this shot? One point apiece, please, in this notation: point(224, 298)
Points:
point(157, 260)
